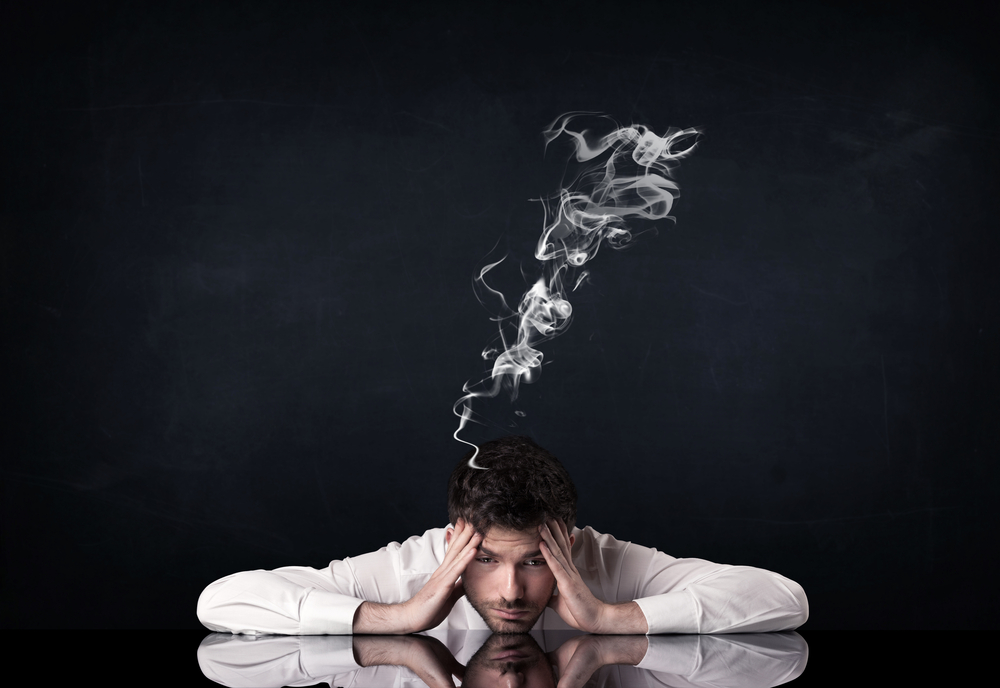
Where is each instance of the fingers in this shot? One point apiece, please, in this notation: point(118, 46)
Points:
point(553, 548)
point(556, 535)
point(461, 550)
point(462, 536)
point(435, 600)
point(558, 529)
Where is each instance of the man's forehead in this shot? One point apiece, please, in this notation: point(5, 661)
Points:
point(499, 540)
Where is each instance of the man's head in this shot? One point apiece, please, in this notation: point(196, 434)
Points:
point(520, 487)
point(509, 661)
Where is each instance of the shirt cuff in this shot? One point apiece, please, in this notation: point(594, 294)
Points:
point(675, 612)
point(327, 613)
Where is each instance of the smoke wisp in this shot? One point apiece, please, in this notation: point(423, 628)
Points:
point(624, 178)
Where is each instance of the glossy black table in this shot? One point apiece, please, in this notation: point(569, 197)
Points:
point(804, 658)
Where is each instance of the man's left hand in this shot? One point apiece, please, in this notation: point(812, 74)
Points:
point(574, 603)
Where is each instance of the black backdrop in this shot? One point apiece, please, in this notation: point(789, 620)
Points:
point(238, 242)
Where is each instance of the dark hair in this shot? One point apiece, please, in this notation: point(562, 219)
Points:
point(521, 487)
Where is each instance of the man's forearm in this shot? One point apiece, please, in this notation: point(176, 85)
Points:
point(381, 619)
point(623, 619)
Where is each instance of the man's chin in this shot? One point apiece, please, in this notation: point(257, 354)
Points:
point(498, 624)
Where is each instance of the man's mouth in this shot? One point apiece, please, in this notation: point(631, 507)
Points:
point(511, 614)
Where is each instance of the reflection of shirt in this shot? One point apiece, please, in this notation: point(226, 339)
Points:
point(743, 661)
point(676, 595)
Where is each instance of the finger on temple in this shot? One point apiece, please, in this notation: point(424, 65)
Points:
point(463, 535)
point(551, 555)
point(468, 551)
point(561, 528)
point(551, 527)
point(558, 543)
point(463, 553)
point(457, 548)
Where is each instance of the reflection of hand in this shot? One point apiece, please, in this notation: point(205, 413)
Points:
point(575, 604)
point(432, 604)
point(578, 658)
point(426, 657)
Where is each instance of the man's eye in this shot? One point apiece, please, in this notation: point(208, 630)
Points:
point(484, 560)
point(535, 562)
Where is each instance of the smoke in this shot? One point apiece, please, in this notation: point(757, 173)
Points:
point(625, 177)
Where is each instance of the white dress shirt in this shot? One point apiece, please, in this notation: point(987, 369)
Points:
point(676, 595)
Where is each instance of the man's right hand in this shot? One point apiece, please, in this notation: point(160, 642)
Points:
point(434, 602)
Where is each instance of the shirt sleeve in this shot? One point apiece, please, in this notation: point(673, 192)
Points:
point(294, 600)
point(701, 597)
point(693, 595)
point(298, 600)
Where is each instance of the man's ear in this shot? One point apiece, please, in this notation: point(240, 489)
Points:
point(448, 532)
point(572, 539)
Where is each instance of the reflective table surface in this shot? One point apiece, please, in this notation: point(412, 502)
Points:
point(480, 659)
point(807, 658)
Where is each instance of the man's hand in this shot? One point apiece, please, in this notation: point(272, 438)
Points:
point(574, 603)
point(434, 602)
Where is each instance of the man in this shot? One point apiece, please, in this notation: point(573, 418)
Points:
point(512, 561)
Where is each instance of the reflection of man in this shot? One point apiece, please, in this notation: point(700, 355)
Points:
point(513, 561)
point(513, 660)
point(510, 660)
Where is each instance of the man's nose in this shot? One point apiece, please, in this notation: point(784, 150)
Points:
point(512, 588)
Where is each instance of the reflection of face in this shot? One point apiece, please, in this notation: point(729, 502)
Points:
point(509, 582)
point(509, 661)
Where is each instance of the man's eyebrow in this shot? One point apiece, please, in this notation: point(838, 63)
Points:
point(530, 555)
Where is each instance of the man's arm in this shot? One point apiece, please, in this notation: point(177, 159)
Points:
point(694, 595)
point(434, 602)
point(294, 600)
point(575, 603)
point(634, 589)
point(697, 596)
point(360, 595)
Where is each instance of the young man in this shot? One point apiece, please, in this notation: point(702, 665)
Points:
point(512, 561)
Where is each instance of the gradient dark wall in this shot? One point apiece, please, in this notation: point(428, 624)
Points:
point(238, 244)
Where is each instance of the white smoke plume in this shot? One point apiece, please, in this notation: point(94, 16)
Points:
point(625, 178)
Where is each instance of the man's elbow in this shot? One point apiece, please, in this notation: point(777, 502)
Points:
point(798, 611)
point(219, 603)
point(778, 603)
point(207, 609)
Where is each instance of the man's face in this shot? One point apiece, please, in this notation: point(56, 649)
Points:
point(509, 661)
point(509, 582)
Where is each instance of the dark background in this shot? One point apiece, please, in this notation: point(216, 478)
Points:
point(237, 249)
